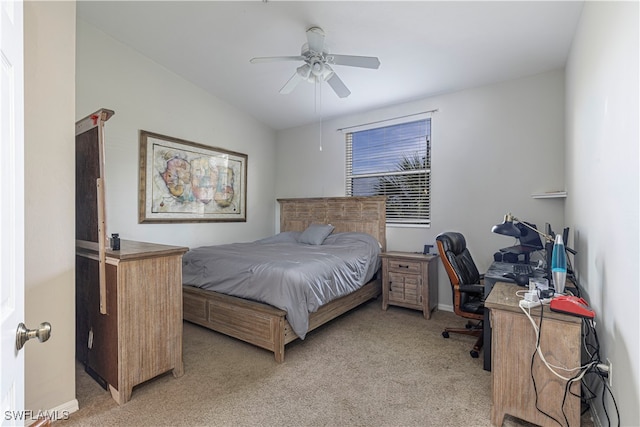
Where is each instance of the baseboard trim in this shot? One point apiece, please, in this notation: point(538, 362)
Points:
point(445, 307)
point(60, 412)
point(71, 406)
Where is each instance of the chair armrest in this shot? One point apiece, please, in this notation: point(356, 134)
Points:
point(473, 289)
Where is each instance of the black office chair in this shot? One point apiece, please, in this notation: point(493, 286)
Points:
point(467, 286)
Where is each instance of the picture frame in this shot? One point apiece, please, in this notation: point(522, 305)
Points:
point(184, 181)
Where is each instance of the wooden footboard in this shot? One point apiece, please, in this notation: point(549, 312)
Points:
point(260, 324)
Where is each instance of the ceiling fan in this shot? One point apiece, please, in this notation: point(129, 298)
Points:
point(316, 67)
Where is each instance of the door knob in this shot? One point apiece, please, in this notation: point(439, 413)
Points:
point(23, 334)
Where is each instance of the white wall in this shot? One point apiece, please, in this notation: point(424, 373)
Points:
point(493, 147)
point(603, 182)
point(146, 96)
point(49, 45)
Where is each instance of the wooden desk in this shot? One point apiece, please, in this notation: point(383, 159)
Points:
point(513, 344)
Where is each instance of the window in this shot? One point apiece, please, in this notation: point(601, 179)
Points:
point(394, 161)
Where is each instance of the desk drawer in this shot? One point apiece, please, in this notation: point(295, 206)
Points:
point(404, 266)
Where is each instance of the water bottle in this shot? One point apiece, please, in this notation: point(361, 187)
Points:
point(559, 265)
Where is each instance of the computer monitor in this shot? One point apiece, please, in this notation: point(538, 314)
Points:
point(548, 231)
point(548, 249)
point(565, 236)
point(565, 239)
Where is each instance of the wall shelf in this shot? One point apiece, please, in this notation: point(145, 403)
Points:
point(550, 195)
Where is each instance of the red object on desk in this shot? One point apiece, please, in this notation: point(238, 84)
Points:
point(572, 305)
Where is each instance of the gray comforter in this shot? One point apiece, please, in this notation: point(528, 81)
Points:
point(281, 272)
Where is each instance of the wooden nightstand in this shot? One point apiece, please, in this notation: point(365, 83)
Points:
point(410, 280)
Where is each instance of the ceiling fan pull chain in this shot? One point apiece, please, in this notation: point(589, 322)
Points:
point(315, 96)
point(318, 96)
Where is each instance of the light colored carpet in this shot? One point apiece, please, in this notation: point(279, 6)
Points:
point(367, 368)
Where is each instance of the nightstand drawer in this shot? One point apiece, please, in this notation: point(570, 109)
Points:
point(404, 266)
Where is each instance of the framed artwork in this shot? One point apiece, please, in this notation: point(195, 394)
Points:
point(183, 181)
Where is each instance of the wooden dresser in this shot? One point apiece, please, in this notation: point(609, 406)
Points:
point(514, 343)
point(140, 334)
point(410, 280)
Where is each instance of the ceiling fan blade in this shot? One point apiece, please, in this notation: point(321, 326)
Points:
point(354, 61)
point(315, 37)
point(276, 58)
point(338, 86)
point(291, 84)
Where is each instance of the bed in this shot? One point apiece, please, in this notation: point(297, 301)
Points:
point(267, 326)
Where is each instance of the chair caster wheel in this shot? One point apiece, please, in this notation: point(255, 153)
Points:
point(445, 334)
point(474, 354)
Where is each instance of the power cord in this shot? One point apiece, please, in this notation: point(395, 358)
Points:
point(594, 365)
point(581, 370)
point(600, 370)
point(538, 350)
point(533, 357)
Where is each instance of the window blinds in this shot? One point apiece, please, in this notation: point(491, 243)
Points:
point(394, 161)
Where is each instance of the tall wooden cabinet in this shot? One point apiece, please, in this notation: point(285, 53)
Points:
point(128, 301)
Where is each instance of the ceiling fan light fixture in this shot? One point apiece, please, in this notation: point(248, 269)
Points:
point(316, 67)
point(327, 73)
point(304, 71)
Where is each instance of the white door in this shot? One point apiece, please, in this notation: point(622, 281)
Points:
point(11, 211)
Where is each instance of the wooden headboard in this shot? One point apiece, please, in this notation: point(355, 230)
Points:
point(360, 214)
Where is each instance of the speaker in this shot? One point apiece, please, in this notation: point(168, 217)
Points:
point(505, 257)
point(509, 257)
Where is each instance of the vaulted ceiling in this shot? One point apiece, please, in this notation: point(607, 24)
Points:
point(425, 47)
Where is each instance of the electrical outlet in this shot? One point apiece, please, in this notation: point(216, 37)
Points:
point(528, 304)
point(610, 373)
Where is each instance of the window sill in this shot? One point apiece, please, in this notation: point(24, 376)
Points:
point(399, 225)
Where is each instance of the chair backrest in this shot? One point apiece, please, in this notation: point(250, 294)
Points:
point(457, 259)
point(461, 270)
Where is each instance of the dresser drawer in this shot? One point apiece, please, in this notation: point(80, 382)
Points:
point(404, 266)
